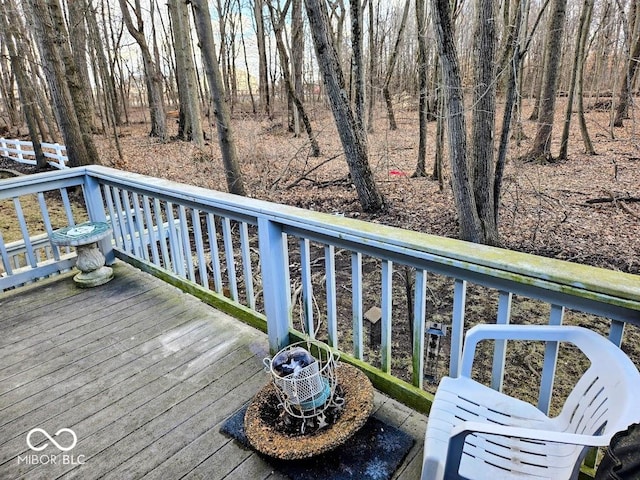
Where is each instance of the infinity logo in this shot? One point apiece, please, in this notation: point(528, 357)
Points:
point(60, 447)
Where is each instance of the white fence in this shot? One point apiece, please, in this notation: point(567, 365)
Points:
point(22, 151)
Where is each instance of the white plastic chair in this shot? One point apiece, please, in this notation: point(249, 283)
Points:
point(475, 432)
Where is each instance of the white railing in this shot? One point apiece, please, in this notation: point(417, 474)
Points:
point(22, 151)
point(295, 271)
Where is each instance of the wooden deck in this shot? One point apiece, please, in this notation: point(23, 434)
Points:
point(143, 374)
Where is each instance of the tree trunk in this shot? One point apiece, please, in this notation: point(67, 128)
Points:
point(357, 62)
point(78, 39)
point(246, 62)
point(80, 95)
point(153, 77)
point(53, 66)
point(371, 97)
point(221, 108)
point(581, 40)
point(468, 219)
point(7, 88)
point(263, 78)
point(541, 149)
point(513, 78)
point(394, 57)
point(185, 74)
point(11, 34)
point(297, 58)
point(222, 58)
point(588, 146)
point(421, 169)
point(483, 118)
point(352, 136)
point(624, 98)
point(278, 24)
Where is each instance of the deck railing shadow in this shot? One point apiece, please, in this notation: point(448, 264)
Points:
point(289, 271)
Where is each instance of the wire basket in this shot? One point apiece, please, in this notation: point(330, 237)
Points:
point(305, 377)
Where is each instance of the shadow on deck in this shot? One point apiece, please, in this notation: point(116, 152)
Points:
point(144, 375)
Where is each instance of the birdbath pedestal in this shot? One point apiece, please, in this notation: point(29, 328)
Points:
point(90, 261)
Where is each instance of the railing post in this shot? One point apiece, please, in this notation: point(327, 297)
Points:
point(275, 281)
point(96, 211)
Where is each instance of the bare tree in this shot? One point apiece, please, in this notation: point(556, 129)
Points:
point(581, 40)
point(472, 169)
point(588, 145)
point(421, 25)
point(540, 150)
point(277, 20)
point(351, 133)
point(10, 30)
point(357, 62)
point(393, 58)
point(153, 77)
point(190, 122)
point(47, 36)
point(226, 140)
point(263, 77)
point(624, 98)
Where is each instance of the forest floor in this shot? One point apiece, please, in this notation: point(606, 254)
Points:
point(544, 209)
point(585, 209)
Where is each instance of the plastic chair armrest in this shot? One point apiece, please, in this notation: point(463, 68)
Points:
point(545, 333)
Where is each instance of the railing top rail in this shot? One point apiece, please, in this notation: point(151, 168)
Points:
point(577, 279)
point(25, 184)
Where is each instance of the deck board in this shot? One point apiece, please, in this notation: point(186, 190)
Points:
point(144, 374)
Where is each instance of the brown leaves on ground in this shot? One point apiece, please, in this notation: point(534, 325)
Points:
point(543, 208)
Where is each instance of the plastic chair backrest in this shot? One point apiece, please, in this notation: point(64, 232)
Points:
point(602, 402)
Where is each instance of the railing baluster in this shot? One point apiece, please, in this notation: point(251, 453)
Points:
point(6, 262)
point(122, 222)
point(245, 249)
point(550, 361)
point(199, 241)
point(457, 326)
point(67, 206)
point(186, 243)
point(307, 287)
point(356, 304)
point(25, 233)
point(230, 258)
point(174, 243)
point(115, 219)
point(151, 230)
point(162, 235)
point(139, 226)
point(214, 252)
point(46, 220)
point(616, 332)
point(386, 305)
point(419, 321)
point(500, 347)
point(128, 221)
point(332, 315)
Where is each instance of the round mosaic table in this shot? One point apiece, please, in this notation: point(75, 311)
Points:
point(90, 261)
